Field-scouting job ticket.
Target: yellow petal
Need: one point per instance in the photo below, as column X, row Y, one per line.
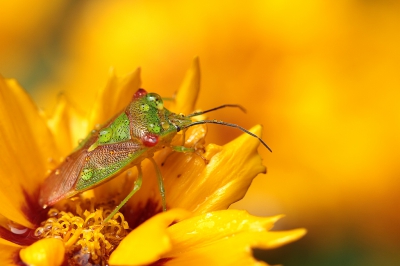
column 148, row 242
column 47, row 251
column 192, row 185
column 9, row 255
column 113, row 97
column 224, row 238
column 67, row 125
column 187, row 94
column 26, row 144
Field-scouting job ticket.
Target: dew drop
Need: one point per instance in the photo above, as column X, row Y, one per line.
column 39, row 231
column 17, row 229
column 52, row 212
column 57, row 172
column 51, row 220
column 164, row 125
column 47, row 227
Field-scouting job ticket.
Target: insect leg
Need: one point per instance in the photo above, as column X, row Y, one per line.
column 136, row 187
column 182, row 149
column 179, row 149
column 160, row 184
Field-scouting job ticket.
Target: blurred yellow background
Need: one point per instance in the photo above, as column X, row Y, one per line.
column 322, row 77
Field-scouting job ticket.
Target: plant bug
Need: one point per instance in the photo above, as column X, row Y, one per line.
column 133, row 135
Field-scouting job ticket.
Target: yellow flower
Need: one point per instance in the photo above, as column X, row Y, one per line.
column 196, row 229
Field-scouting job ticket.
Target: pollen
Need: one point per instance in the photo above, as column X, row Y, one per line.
column 80, row 226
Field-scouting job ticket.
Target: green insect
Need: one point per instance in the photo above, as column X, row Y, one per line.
column 135, row 134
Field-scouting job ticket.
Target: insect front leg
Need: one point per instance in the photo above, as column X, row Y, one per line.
column 136, row 187
column 189, row 150
column 183, row 149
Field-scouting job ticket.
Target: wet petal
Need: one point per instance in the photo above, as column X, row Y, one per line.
column 113, row 97
column 148, row 242
column 26, row 143
column 231, row 234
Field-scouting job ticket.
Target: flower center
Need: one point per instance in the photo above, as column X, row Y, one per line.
column 80, row 225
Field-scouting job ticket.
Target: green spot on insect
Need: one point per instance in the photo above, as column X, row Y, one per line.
column 154, row 128
column 105, row 135
column 93, row 147
column 164, row 125
column 87, row 173
column 120, row 129
column 144, row 107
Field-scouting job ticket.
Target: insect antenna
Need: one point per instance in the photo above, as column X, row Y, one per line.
column 218, row 107
column 227, row 124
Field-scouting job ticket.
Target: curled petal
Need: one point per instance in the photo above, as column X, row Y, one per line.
column 200, row 187
column 134, row 249
column 47, row 251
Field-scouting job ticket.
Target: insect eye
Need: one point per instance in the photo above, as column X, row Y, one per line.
column 150, row 140
column 139, row 93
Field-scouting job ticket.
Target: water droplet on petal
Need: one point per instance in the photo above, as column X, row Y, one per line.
column 39, row 231
column 17, row 229
column 52, row 212
column 47, row 227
